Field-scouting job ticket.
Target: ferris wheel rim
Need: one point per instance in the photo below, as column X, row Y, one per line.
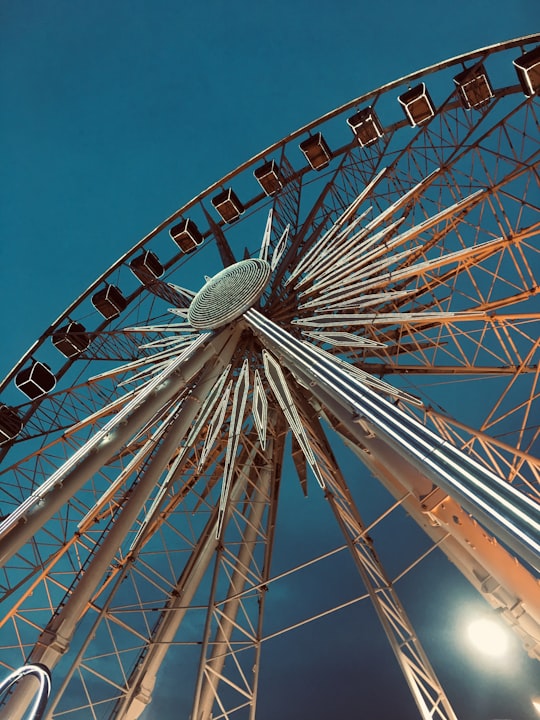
column 204, row 194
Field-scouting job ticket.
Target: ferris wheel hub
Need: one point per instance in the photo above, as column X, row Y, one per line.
column 229, row 294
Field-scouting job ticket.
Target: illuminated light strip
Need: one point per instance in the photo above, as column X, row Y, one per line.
column 206, row 409
column 215, row 426
column 343, row 277
column 381, row 217
column 278, row 384
column 413, row 270
column 517, row 515
column 141, row 362
column 352, row 254
column 372, row 243
column 106, row 410
column 421, row 227
column 346, row 320
column 371, row 380
column 304, row 263
column 157, row 361
column 344, row 283
column 180, row 312
column 42, row 673
column 280, row 247
column 177, row 341
column 160, row 494
column 182, row 290
column 263, row 253
column 146, row 373
column 100, row 435
column 260, row 409
column 108, row 495
column 166, row 327
column 403, row 199
column 235, row 426
column 431, row 221
column 343, row 245
column 343, row 339
column 209, row 403
column 366, row 301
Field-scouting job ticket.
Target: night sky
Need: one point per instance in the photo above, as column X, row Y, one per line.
column 113, row 115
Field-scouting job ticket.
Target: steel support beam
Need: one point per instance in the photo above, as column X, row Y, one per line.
column 506, row 584
column 489, row 567
column 425, row 687
column 56, row 637
column 34, row 512
column 141, row 683
column 211, row 669
column 504, row 510
column 423, row 683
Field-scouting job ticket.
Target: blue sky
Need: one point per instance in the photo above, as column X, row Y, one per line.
column 114, row 114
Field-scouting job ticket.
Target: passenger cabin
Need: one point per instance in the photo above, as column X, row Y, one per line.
column 474, row 87
column 35, row 380
column 528, row 71
column 10, row 423
column 71, row 339
column 146, row 267
column 316, row 150
column 109, row 302
column 366, row 126
column 417, row 105
column 228, row 205
column 269, row 177
column 186, row 235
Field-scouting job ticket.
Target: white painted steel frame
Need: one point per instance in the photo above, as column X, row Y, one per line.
column 507, row 512
column 515, row 590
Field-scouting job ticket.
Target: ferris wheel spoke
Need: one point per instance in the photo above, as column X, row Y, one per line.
column 322, row 247
column 360, row 283
column 278, row 383
column 516, row 519
column 62, row 484
column 236, row 420
column 245, row 499
column 422, row 680
column 367, row 252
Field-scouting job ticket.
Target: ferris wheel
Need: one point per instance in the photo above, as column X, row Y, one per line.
column 351, row 315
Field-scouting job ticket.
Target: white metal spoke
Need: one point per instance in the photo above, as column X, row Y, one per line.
column 278, row 384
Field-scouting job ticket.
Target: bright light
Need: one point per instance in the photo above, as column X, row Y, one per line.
column 536, row 704
column 488, row 636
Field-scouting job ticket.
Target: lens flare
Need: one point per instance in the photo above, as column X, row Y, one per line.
column 488, row 636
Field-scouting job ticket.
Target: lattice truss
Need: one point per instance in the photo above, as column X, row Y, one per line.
column 410, row 265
